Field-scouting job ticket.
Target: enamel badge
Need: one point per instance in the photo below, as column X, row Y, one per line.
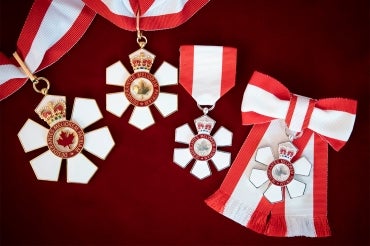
column 66, row 139
column 141, row 89
column 202, row 147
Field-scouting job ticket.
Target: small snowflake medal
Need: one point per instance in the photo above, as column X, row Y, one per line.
column 202, row 147
column 65, row 139
column 280, row 172
column 141, row 89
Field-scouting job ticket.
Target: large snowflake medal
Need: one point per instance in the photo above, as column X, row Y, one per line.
column 280, row 173
column 66, row 139
column 202, row 147
column 141, row 89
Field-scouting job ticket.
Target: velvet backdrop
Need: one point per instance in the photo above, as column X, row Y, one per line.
column 138, row 195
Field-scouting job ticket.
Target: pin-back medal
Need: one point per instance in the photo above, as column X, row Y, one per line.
column 65, row 139
column 206, row 75
column 141, row 89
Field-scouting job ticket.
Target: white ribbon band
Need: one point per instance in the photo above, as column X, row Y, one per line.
column 321, row 121
column 159, row 7
column 207, row 74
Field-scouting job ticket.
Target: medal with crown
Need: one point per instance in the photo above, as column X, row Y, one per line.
column 65, row 139
column 206, row 76
column 141, row 89
column 281, row 173
column 202, row 147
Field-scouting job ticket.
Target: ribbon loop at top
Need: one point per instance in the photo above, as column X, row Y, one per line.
column 299, row 112
column 266, row 99
column 154, row 14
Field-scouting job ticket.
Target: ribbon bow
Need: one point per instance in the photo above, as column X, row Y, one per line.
column 266, row 99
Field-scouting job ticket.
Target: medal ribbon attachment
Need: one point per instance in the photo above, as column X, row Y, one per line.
column 41, row 42
column 277, row 184
column 141, row 88
column 155, row 14
column 207, row 73
column 65, row 139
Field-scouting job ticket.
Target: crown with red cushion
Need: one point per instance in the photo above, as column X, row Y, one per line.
column 287, row 151
column 204, row 124
column 141, row 60
column 53, row 112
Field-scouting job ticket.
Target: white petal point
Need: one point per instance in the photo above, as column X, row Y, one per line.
column 183, row 134
column 141, row 118
column 221, row 160
column 223, row 137
column 258, row 177
column 116, row 74
column 274, row 193
column 85, row 112
column 182, row 156
column 296, row 188
column 32, row 135
column 46, row 166
column 302, row 166
column 80, row 169
column 99, row 142
column 264, row 155
column 116, row 103
column 166, row 74
column 201, row 169
column 166, row 103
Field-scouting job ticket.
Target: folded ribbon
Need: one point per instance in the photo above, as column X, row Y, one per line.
column 298, row 208
column 265, row 99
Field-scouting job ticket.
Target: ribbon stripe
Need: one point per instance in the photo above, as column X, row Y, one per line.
column 154, row 14
column 300, row 109
column 207, row 72
column 51, row 29
column 266, row 98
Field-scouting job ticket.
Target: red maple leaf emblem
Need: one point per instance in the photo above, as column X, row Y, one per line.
column 65, row 139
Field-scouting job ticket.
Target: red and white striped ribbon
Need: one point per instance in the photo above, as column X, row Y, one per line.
column 207, row 72
column 51, row 29
column 265, row 99
column 154, row 14
column 271, row 107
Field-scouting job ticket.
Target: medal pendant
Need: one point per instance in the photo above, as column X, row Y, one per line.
column 202, row 147
column 280, row 172
column 141, row 89
column 65, row 139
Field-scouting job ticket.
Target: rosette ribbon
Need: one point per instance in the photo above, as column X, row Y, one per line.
column 51, row 29
column 248, row 196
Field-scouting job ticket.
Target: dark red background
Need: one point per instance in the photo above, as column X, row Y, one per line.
column 138, row 196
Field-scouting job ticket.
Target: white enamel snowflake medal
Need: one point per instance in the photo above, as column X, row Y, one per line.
column 280, row 172
column 206, row 73
column 202, row 147
column 66, row 139
column 141, row 89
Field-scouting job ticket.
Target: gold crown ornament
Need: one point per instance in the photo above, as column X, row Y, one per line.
column 141, row 60
column 53, row 112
